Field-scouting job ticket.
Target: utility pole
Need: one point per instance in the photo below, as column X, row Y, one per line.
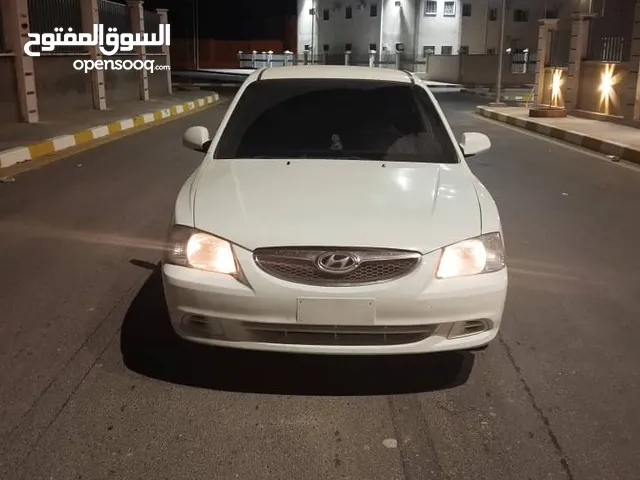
column 498, row 102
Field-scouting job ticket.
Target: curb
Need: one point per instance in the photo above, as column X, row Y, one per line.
column 57, row 144
column 575, row 138
column 519, row 98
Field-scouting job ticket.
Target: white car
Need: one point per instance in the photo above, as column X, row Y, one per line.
column 334, row 213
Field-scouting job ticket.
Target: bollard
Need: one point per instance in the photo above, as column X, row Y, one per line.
column 254, row 57
column 270, row 58
column 287, row 57
column 398, row 62
column 372, row 58
column 240, row 58
column 347, row 57
column 306, row 57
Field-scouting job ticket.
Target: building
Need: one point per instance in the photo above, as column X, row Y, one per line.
column 418, row 27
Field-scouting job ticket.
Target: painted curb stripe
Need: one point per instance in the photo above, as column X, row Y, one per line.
column 575, row 138
column 53, row 145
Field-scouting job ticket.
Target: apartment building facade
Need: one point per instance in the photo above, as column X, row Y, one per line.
column 418, row 27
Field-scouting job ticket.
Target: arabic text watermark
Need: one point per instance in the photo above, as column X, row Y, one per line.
column 109, row 44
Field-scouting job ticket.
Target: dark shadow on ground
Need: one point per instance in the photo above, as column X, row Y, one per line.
column 150, row 347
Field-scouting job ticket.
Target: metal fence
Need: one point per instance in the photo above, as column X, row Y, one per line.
column 610, row 38
column 559, row 48
column 152, row 25
column 2, row 45
column 45, row 15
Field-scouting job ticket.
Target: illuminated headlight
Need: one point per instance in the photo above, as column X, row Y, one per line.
column 192, row 248
column 483, row 254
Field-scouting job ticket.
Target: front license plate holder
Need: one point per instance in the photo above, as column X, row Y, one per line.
column 336, row 311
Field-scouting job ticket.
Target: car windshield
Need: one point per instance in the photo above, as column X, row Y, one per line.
column 336, row 119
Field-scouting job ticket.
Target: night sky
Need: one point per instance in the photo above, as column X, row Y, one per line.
column 226, row 19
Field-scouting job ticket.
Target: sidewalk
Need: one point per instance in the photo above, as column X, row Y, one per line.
column 21, row 142
column 604, row 137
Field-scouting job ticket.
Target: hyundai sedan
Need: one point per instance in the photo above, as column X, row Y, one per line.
column 334, row 213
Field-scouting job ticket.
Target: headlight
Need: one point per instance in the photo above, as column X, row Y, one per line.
column 483, row 254
column 195, row 249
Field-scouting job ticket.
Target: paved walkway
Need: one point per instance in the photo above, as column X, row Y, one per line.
column 16, row 134
column 21, row 142
column 605, row 137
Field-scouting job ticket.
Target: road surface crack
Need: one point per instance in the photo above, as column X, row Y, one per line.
column 552, row 436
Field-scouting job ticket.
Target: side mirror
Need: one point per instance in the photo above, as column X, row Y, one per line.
column 196, row 138
column 474, row 143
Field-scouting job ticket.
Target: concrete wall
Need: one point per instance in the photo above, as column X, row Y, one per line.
column 444, row 68
column 589, row 94
column 60, row 87
column 158, row 86
column 122, row 85
column 481, row 70
column 440, row 30
column 9, row 107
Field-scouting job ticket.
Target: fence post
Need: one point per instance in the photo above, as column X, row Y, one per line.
column 347, row 57
column 306, row 57
column 270, row 58
column 546, row 27
column 16, row 21
column 137, row 26
column 579, row 45
column 90, row 17
column 166, row 49
column 254, row 56
column 372, row 58
column 398, row 62
column 240, row 58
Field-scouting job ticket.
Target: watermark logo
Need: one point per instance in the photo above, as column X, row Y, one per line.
column 109, row 44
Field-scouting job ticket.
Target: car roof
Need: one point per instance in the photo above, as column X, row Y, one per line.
column 334, row 72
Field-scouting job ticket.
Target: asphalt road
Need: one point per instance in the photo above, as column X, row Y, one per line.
column 93, row 386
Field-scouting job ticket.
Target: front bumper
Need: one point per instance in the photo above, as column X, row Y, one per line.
column 414, row 314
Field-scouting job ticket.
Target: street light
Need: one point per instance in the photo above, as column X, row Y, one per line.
column 501, row 53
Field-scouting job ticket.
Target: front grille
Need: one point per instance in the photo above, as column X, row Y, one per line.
column 293, row 334
column 300, row 265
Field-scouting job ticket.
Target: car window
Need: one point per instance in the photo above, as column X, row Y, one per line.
column 336, row 119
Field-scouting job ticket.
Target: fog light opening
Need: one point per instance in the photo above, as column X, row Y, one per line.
column 201, row 325
column 468, row 328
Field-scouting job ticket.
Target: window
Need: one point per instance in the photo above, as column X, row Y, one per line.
column 464, row 50
column 428, row 50
column 373, row 10
column 466, row 9
column 520, row 15
column 347, row 47
column 351, row 118
column 399, row 47
column 430, row 7
column 325, row 47
column 306, row 47
column 446, row 50
column 348, row 12
column 373, row 46
column 491, row 50
column 325, row 14
column 449, row 9
column 493, row 14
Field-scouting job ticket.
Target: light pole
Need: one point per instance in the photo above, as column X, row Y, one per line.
column 501, row 54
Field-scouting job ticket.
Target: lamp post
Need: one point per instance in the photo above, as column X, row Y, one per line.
column 501, row 54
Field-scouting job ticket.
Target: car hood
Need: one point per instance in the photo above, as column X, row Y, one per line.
column 264, row 203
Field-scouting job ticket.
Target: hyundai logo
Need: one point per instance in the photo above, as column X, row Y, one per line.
column 337, row 263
